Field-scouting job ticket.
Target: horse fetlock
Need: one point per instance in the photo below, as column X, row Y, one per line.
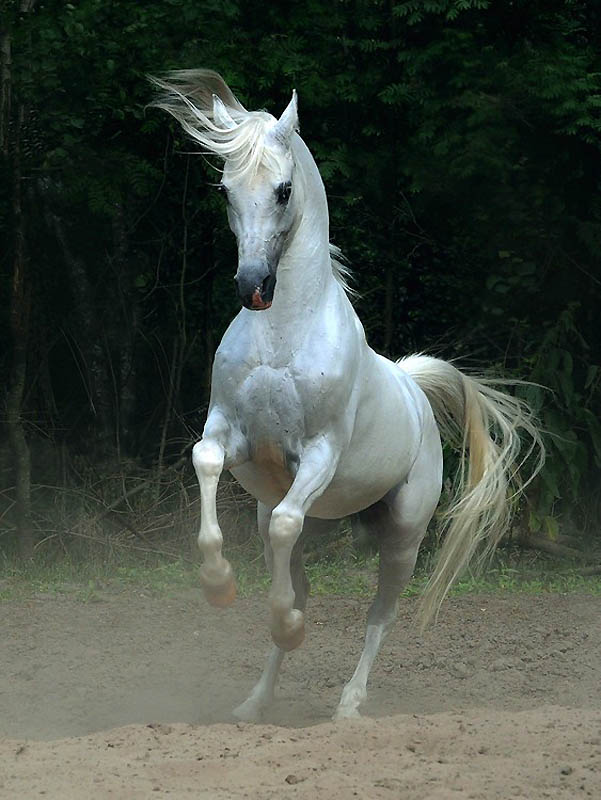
column 346, row 712
column 288, row 631
column 217, row 580
column 253, row 708
column 352, row 697
column 210, row 541
column 216, row 572
column 250, row 710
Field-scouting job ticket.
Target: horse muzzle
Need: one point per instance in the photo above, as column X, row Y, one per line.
column 255, row 285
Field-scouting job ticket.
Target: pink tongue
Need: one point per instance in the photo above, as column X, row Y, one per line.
column 257, row 300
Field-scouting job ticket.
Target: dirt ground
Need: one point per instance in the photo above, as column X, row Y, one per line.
column 128, row 696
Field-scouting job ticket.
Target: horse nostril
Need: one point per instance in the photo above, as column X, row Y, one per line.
column 267, row 288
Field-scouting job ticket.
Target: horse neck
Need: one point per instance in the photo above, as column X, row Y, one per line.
column 304, row 275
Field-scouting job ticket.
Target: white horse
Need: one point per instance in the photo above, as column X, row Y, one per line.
column 307, row 417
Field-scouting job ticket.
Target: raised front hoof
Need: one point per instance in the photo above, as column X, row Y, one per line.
column 221, row 596
column 291, row 633
column 218, row 584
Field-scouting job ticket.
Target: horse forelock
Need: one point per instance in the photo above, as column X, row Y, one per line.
column 188, row 96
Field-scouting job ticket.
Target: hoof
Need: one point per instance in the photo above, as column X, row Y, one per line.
column 248, row 711
column 221, row 596
column 291, row 634
column 346, row 713
column 219, row 586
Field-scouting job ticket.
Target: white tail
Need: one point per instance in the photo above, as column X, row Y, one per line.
column 484, row 424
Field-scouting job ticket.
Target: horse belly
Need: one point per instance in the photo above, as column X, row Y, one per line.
column 267, row 477
column 360, row 481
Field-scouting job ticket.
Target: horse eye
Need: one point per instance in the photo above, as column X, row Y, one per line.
column 283, row 192
column 223, row 189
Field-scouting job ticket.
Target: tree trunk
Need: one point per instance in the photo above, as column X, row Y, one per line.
column 19, row 322
column 121, row 325
column 180, row 340
column 388, row 311
column 90, row 344
column 5, row 89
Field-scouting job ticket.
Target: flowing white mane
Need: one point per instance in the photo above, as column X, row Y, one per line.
column 342, row 272
column 188, row 95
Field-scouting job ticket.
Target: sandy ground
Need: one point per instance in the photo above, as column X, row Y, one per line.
column 128, row 696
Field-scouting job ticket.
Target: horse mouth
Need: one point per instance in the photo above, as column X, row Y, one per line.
column 257, row 303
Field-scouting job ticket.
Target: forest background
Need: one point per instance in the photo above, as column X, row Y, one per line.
column 460, row 144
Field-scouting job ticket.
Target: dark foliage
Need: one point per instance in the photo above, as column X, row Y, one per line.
column 460, row 143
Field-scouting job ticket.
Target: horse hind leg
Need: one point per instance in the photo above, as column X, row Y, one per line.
column 397, row 560
column 262, row 695
column 399, row 521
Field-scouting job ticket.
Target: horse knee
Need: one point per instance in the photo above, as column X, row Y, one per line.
column 207, row 458
column 285, row 528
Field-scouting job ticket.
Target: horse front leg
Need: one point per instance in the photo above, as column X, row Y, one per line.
column 262, row 695
column 316, row 469
column 216, row 575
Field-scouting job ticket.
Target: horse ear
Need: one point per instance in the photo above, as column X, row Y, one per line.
column 221, row 115
column 288, row 122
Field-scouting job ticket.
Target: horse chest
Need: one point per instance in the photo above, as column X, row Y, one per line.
column 270, row 413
